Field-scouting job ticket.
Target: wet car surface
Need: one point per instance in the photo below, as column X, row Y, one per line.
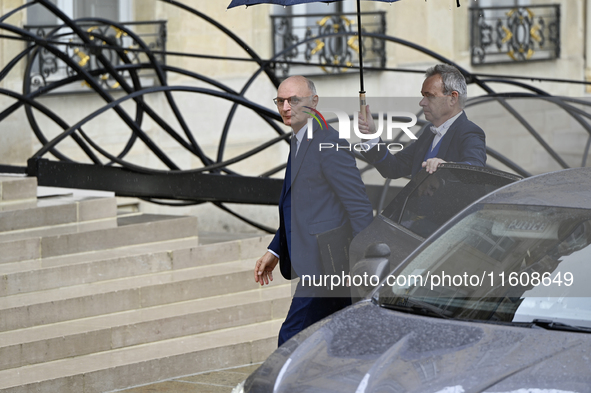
column 524, row 327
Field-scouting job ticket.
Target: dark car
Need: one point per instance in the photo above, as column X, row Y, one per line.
column 496, row 300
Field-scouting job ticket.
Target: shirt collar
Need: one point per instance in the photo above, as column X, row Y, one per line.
column 301, row 133
column 442, row 129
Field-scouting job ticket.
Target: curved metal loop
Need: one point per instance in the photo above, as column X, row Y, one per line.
column 186, row 139
column 45, row 149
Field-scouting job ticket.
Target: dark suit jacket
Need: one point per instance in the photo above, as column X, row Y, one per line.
column 464, row 143
column 324, row 192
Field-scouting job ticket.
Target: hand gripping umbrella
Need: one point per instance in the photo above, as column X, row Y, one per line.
column 236, row 3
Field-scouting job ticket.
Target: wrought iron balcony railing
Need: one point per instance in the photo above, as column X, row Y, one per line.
column 335, row 53
column 44, row 67
column 517, row 34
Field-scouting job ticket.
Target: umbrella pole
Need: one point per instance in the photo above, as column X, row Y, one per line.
column 362, row 102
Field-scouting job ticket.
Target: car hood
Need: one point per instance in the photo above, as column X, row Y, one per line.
column 368, row 349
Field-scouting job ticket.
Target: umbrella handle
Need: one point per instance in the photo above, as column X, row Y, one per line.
column 362, row 105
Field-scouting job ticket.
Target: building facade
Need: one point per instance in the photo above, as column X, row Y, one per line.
column 508, row 38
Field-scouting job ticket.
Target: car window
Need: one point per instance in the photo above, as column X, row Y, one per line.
column 505, row 263
column 432, row 200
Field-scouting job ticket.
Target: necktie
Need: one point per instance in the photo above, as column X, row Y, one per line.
column 292, row 147
column 295, row 145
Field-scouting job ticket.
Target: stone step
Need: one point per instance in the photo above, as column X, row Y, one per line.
column 54, row 230
column 131, row 230
column 46, row 343
column 141, row 364
column 17, row 188
column 75, row 269
column 49, row 212
column 92, row 300
column 106, row 297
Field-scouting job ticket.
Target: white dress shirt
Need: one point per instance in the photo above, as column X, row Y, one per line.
column 442, row 129
column 300, row 137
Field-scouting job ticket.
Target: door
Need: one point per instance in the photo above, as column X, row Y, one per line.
column 418, row 210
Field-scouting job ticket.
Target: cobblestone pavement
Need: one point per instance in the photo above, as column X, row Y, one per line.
column 219, row 381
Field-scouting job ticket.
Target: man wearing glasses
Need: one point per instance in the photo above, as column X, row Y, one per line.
column 451, row 138
column 322, row 191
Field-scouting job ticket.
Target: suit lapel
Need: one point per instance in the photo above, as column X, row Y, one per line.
column 297, row 160
column 449, row 135
column 427, row 139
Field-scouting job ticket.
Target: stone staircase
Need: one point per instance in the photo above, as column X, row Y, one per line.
column 94, row 302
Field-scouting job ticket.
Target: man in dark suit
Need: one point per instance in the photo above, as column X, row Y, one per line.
column 322, row 190
column 451, row 138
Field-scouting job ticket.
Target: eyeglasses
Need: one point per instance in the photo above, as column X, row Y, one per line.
column 292, row 101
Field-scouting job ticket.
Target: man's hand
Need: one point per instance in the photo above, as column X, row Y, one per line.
column 263, row 270
column 432, row 164
column 366, row 126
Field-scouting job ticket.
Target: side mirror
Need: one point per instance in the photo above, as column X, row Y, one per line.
column 370, row 271
column 377, row 250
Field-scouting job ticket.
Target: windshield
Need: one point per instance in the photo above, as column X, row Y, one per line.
column 506, row 263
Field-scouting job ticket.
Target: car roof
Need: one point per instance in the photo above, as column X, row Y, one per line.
column 565, row 188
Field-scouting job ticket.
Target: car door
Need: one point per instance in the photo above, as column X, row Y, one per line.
column 418, row 210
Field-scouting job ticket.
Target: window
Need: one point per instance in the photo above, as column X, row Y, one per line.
column 431, row 200
column 314, row 8
column 334, row 54
column 502, row 3
column 118, row 10
column 510, row 31
column 45, row 67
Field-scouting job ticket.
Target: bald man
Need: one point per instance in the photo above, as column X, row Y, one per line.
column 322, row 190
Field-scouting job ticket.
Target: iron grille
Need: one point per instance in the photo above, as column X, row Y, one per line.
column 336, row 54
column 115, row 44
column 514, row 34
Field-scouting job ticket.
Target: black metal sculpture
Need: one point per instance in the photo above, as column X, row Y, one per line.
column 109, row 56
